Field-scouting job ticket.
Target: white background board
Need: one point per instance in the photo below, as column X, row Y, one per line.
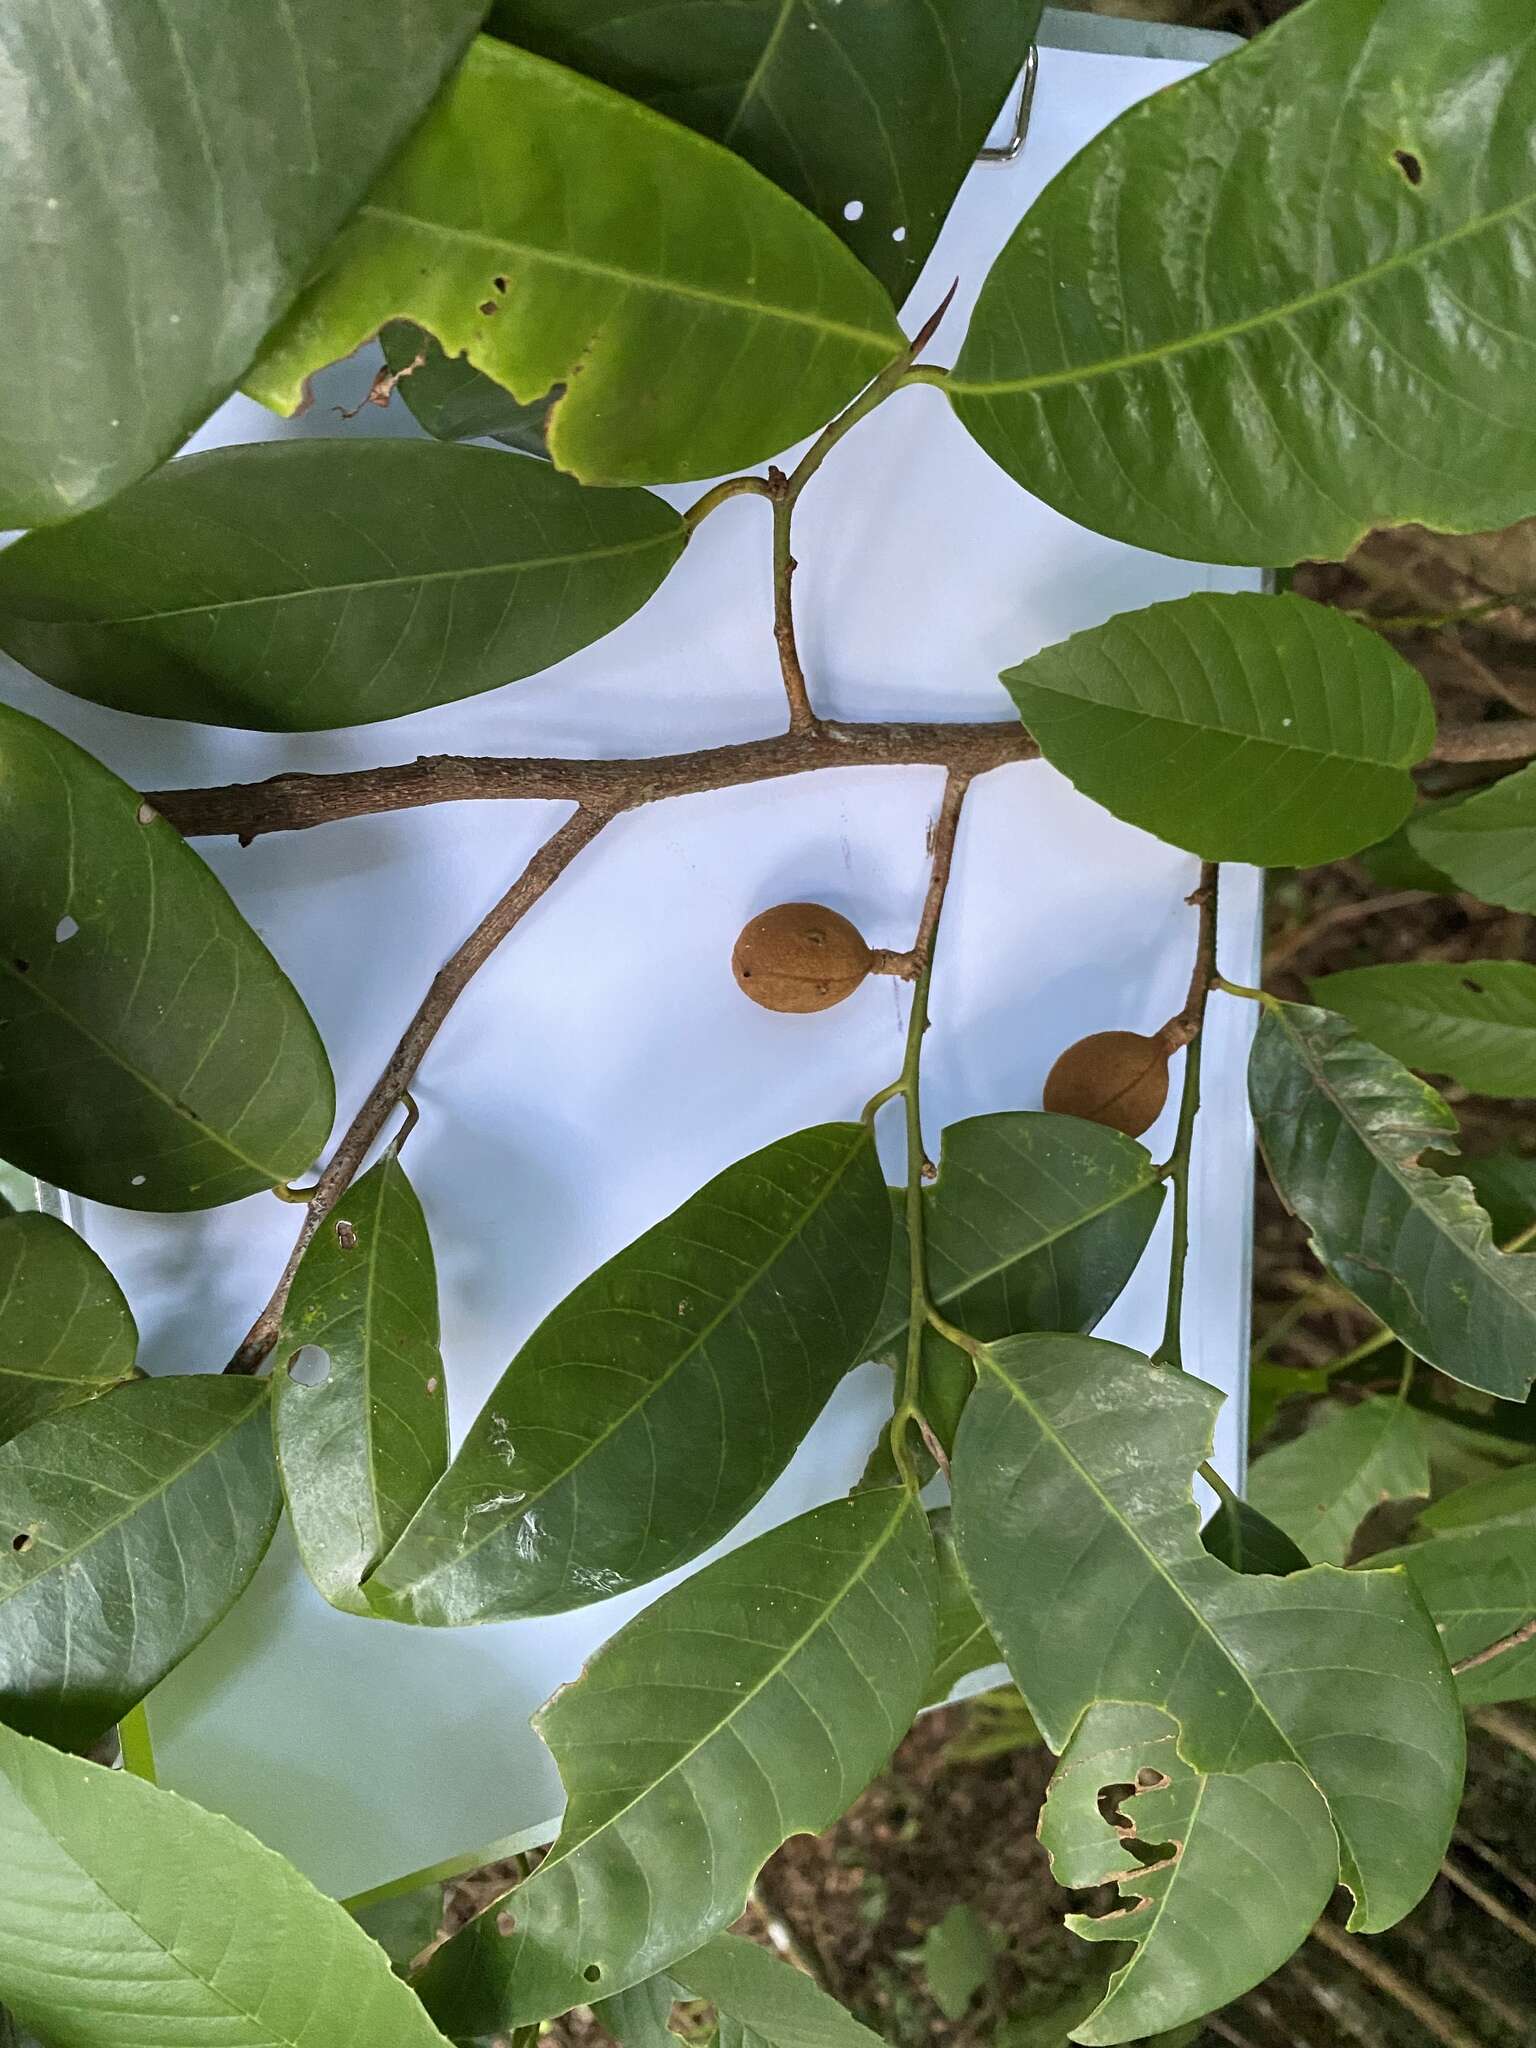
column 604, row 1065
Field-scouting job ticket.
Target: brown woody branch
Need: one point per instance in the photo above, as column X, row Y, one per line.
column 1499, row 739
column 293, row 802
column 545, row 868
column 1515, row 1640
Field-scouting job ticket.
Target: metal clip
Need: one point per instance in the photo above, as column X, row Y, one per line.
column 1005, row 152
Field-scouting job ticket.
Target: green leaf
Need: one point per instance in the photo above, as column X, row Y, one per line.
column 301, row 585
column 869, row 113
column 1245, row 1865
column 152, row 1052
column 555, row 232
column 1165, row 353
column 663, row 1396
column 1321, row 1486
column 753, row 1702
column 1506, row 1187
column 1487, row 842
column 958, row 1956
column 362, row 1441
column 66, row 1333
column 1247, row 1541
column 639, row 2017
column 1341, row 1126
column 1036, row 1222
column 1264, row 729
column 130, row 1918
column 455, row 402
column 403, row 1925
column 1472, row 1019
column 172, row 175
column 1395, row 862
column 1076, row 1526
column 129, row 1526
column 763, row 2003
column 1476, row 1573
column 964, row 1641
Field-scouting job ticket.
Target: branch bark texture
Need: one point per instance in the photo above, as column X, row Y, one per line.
column 294, row 802
column 449, row 983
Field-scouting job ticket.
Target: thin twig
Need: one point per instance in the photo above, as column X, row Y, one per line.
column 802, row 715
column 1517, row 1639
column 1439, row 622
column 1484, row 1899
column 1189, row 1025
column 1285, row 950
column 450, row 982
column 1427, row 2011
column 785, row 493
column 1509, row 1729
column 1437, row 1958
column 1486, row 1853
column 294, row 802
column 1500, row 739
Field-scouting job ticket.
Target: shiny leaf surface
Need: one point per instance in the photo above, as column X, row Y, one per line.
column 1321, row 1486
column 1487, row 843
column 554, row 232
column 1077, row 1530
column 1247, row 1864
column 753, row 1702
column 1341, row 1126
column 171, row 175
column 662, row 1397
column 128, row 1527
column 1036, row 1222
column 152, row 1052
column 1264, row 729
column 1472, row 1019
column 870, row 113
column 456, row 402
column 361, row 1440
column 66, row 1333
column 1476, row 1573
column 130, row 1918
column 1165, row 353
column 300, row 585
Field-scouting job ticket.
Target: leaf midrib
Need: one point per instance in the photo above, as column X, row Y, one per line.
column 866, row 1563
column 1410, row 1179
column 503, row 244
column 529, row 1500
column 1018, row 1396
column 124, row 1065
column 1006, row 1264
column 1284, row 744
column 257, row 2020
column 1203, row 1783
column 408, row 580
column 135, row 1506
column 1271, row 316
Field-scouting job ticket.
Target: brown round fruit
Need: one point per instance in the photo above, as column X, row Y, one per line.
column 1117, row 1078
column 799, row 957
